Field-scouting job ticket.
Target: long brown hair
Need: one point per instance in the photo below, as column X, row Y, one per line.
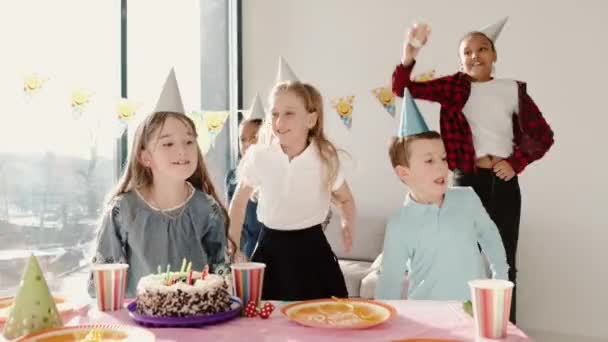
column 137, row 175
column 313, row 102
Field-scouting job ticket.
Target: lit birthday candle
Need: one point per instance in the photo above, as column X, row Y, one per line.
column 183, row 268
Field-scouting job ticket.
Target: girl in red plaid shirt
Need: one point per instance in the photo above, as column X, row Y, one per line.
column 491, row 128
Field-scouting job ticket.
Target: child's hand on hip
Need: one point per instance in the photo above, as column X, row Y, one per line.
column 504, row 170
column 417, row 36
column 347, row 237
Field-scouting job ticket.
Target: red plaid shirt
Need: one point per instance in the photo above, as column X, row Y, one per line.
column 532, row 135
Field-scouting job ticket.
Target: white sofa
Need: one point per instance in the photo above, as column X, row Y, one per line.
column 360, row 267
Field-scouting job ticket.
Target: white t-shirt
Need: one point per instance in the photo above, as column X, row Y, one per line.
column 489, row 111
column 292, row 194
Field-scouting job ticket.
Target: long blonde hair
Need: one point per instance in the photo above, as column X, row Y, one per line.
column 136, row 175
column 313, row 102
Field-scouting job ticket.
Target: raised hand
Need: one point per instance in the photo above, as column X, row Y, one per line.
column 417, row 36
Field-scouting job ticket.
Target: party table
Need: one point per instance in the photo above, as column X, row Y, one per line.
column 414, row 319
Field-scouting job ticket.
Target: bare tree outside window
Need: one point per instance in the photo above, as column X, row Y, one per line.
column 56, row 155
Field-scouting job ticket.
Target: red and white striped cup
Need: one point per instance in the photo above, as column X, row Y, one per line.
column 491, row 306
column 248, row 281
column 110, row 285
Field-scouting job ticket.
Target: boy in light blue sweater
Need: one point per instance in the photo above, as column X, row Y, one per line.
column 436, row 234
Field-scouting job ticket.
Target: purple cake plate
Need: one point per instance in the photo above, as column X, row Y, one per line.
column 182, row 322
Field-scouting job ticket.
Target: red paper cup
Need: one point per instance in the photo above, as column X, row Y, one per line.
column 248, row 281
column 491, row 306
column 110, row 285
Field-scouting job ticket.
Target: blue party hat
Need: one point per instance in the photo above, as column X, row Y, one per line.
column 412, row 121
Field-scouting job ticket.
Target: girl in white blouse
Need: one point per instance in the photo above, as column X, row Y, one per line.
column 297, row 174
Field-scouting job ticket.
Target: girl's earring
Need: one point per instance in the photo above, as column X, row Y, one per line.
column 461, row 68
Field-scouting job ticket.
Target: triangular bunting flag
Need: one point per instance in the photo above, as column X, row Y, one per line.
column 344, row 108
column 386, row 98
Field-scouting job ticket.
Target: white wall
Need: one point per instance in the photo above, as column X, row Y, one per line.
column 350, row 47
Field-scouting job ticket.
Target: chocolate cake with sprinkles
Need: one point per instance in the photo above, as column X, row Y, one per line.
column 182, row 294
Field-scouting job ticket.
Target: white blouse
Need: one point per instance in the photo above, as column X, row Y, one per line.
column 489, row 111
column 292, row 194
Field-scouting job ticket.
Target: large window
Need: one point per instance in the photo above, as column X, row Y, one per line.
column 62, row 79
column 59, row 89
column 191, row 36
column 162, row 35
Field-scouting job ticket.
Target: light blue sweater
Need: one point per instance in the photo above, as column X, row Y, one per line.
column 437, row 246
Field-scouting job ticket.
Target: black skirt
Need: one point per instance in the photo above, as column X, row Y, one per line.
column 300, row 265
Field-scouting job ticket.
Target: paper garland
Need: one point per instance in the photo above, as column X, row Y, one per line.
column 80, row 100
column 386, row 98
column 126, row 110
column 208, row 125
column 210, row 122
column 32, row 84
column 344, row 108
column 214, row 122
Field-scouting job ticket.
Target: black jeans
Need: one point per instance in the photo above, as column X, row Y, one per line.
column 502, row 201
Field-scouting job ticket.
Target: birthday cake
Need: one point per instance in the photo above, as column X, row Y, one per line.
column 182, row 294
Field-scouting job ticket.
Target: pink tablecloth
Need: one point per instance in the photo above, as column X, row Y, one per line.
column 415, row 319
